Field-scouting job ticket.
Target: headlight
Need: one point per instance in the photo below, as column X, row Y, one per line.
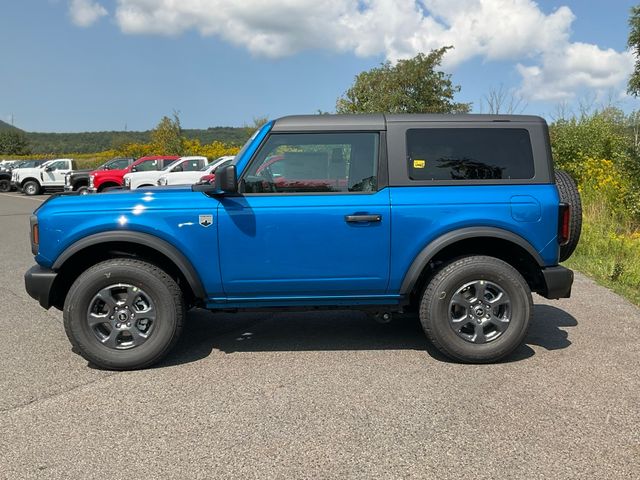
column 127, row 182
column 67, row 180
column 162, row 181
column 90, row 181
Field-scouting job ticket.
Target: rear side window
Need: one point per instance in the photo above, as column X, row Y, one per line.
column 469, row 154
column 192, row 166
column 147, row 166
column 118, row 164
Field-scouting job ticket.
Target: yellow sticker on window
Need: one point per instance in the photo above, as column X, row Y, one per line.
column 419, row 163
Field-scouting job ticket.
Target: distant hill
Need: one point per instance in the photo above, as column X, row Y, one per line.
column 7, row 126
column 91, row 142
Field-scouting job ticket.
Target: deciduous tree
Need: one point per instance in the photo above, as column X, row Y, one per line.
column 633, row 42
column 167, row 136
column 415, row 85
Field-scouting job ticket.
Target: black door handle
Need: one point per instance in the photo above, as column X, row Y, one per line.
column 362, row 218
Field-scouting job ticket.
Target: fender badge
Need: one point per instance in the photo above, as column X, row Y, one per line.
column 205, row 220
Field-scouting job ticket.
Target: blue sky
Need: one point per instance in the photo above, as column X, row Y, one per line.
column 86, row 65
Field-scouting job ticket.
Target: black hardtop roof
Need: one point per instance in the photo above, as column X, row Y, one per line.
column 379, row 121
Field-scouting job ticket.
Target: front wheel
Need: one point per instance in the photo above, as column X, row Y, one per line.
column 31, row 188
column 123, row 314
column 476, row 309
column 5, row 185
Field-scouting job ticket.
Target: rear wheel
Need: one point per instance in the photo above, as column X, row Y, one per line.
column 123, row 314
column 31, row 188
column 5, row 185
column 476, row 309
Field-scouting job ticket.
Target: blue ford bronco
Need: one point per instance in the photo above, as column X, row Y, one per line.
column 457, row 218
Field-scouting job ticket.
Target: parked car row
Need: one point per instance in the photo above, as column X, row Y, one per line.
column 6, row 171
column 33, row 177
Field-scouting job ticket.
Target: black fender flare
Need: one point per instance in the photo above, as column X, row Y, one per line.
column 145, row 239
column 431, row 250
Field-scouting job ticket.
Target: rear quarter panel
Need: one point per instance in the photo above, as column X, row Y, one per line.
column 419, row 215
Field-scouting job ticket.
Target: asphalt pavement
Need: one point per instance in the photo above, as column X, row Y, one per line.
column 321, row 395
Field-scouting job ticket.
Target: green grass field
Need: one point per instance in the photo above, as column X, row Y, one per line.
column 609, row 250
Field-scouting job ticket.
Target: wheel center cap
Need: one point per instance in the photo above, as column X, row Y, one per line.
column 122, row 316
column 479, row 312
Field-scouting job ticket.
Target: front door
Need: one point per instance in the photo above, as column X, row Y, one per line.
column 55, row 172
column 310, row 220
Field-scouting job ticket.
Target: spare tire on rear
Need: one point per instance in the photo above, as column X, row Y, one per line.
column 569, row 194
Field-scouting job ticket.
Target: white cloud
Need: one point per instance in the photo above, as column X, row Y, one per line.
column 85, row 13
column 551, row 66
column 574, row 66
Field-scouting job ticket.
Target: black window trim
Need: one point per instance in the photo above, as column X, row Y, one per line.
column 382, row 163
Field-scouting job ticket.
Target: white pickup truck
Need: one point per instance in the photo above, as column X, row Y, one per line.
column 47, row 177
column 149, row 178
column 191, row 177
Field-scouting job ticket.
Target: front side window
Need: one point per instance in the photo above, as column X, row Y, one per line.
column 469, row 154
column 314, row 162
column 59, row 165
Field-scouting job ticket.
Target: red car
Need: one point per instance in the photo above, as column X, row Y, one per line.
column 101, row 179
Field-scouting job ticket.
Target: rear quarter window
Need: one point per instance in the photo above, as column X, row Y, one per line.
column 469, row 154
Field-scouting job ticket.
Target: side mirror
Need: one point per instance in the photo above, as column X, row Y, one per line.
column 177, row 168
column 134, row 168
column 226, row 180
column 48, row 168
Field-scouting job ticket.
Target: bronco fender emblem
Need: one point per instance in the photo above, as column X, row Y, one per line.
column 205, row 220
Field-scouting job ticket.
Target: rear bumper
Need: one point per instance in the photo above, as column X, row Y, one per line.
column 38, row 282
column 558, row 281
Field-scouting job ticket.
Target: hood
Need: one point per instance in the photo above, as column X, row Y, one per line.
column 116, row 199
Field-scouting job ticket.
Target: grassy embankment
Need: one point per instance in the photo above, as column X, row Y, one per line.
column 609, row 249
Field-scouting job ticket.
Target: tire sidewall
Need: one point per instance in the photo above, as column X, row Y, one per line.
column 437, row 310
column 26, row 188
column 88, row 285
column 5, row 185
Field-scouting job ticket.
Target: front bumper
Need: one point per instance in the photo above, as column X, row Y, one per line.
column 558, row 281
column 38, row 282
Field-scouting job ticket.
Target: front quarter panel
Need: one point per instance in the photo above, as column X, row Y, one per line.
column 172, row 215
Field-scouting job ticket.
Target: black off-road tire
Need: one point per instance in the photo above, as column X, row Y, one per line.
column 164, row 292
column 5, row 185
column 31, row 188
column 435, row 308
column 569, row 194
